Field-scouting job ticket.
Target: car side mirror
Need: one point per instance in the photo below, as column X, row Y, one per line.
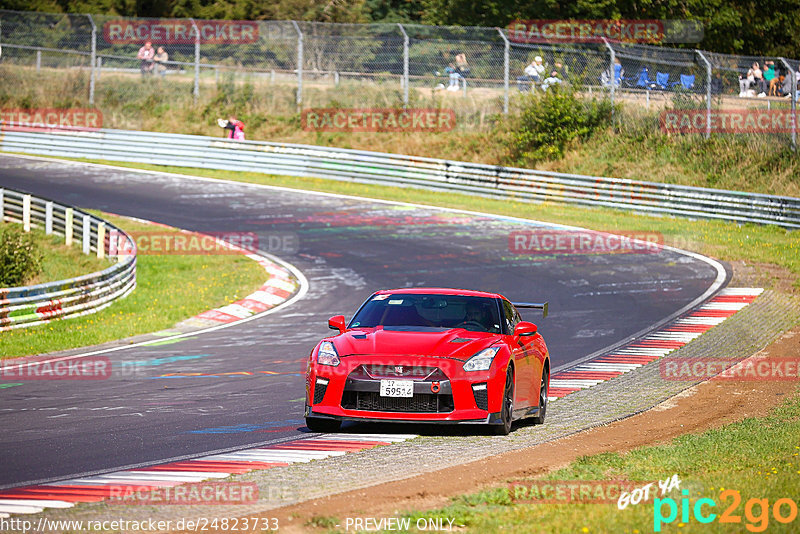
column 337, row 323
column 525, row 328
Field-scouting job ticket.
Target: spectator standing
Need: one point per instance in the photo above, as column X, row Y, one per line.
column 160, row 60
column 145, row 57
column 533, row 74
column 758, row 76
column 234, row 128
column 769, row 76
column 462, row 67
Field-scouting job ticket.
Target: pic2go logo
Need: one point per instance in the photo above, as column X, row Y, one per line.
column 756, row 511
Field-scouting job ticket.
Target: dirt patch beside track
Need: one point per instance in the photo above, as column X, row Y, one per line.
column 707, row 405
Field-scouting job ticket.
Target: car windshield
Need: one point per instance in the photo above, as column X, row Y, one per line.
column 401, row 311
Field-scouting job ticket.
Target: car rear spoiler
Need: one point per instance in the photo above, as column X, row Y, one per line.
column 535, row 305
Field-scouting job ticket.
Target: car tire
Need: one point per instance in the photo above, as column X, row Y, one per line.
column 543, row 387
column 507, row 408
column 316, row 424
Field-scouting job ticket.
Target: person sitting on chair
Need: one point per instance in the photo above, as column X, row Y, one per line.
column 533, row 74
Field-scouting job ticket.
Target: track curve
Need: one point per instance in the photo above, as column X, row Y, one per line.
column 347, row 248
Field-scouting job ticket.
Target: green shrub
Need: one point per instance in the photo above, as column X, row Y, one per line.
column 548, row 121
column 20, row 257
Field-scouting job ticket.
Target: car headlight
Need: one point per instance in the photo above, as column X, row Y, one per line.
column 481, row 361
column 327, row 354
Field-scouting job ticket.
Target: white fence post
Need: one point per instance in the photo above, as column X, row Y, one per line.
column 2, row 213
column 93, row 59
column 299, row 98
column 26, row 213
column 87, row 234
column 405, row 64
column 612, row 75
column 196, row 91
column 38, row 60
column 48, row 218
column 708, row 92
column 793, row 74
column 68, row 215
column 506, row 67
column 101, row 240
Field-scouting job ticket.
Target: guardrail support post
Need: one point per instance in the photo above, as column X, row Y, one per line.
column 48, row 218
column 26, row 213
column 68, row 216
column 87, row 234
column 196, row 91
column 101, row 240
column 299, row 98
column 2, row 212
column 708, row 92
column 93, row 60
column 793, row 74
column 506, row 65
column 405, row 64
column 38, row 60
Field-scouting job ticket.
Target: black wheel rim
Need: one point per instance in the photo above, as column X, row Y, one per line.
column 508, row 405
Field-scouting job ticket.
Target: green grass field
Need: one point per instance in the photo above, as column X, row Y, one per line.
column 169, row 288
column 758, row 458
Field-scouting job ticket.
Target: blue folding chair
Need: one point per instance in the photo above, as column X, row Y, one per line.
column 687, row 81
column 644, row 81
column 662, row 80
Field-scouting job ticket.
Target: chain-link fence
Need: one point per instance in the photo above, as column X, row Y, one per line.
column 475, row 71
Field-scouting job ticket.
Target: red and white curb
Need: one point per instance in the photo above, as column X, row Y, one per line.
column 653, row 346
column 277, row 289
column 96, row 488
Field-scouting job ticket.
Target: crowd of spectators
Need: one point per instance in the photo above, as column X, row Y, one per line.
column 770, row 81
column 151, row 61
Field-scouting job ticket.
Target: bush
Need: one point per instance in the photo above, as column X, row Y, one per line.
column 548, row 121
column 20, row 257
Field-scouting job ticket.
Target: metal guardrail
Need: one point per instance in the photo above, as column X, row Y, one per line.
column 21, row 307
column 399, row 170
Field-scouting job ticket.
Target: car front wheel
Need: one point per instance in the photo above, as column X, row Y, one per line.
column 507, row 410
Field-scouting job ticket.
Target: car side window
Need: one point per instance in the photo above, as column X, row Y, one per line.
column 511, row 317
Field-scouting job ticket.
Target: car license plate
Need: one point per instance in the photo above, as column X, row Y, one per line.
column 397, row 388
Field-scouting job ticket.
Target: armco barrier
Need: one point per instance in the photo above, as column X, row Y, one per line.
column 393, row 169
column 22, row 307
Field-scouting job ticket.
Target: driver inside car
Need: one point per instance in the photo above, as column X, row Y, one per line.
column 474, row 316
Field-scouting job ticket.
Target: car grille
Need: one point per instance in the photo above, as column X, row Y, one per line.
column 419, row 403
column 373, row 371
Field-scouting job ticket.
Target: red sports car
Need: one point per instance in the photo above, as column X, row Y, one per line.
column 432, row 356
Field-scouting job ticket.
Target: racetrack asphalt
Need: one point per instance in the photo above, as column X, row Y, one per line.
column 346, row 248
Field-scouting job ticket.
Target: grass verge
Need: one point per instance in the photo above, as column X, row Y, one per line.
column 59, row 261
column 169, row 289
column 758, row 457
column 752, row 244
